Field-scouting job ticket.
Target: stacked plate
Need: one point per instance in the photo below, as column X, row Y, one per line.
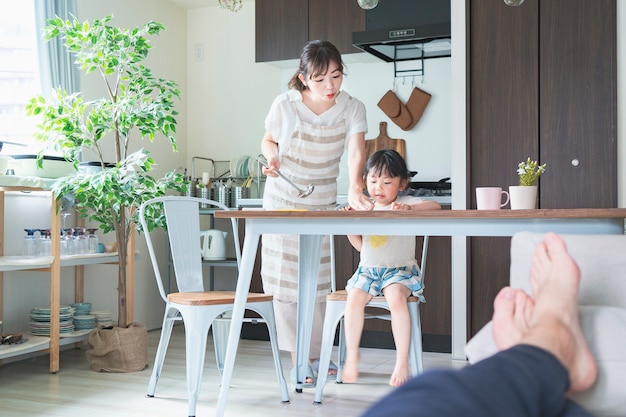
column 85, row 322
column 103, row 318
column 81, row 309
column 40, row 320
column 240, row 167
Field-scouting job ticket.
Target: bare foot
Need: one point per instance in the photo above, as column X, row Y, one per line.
column 350, row 372
column 555, row 279
column 400, row 373
column 513, row 310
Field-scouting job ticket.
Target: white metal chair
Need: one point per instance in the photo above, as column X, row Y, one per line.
column 197, row 308
column 335, row 307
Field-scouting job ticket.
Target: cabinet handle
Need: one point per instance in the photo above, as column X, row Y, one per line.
column 575, row 162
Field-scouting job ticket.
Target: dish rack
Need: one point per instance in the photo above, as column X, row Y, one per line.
column 223, row 186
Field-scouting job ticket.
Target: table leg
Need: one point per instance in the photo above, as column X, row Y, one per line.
column 309, row 263
column 250, row 245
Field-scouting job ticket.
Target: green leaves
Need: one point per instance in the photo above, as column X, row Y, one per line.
column 529, row 172
column 136, row 105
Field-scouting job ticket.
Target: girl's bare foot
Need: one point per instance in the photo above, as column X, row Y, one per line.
column 555, row 279
column 513, row 310
column 350, row 372
column 400, row 373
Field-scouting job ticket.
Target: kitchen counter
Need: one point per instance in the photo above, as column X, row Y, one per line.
column 258, row 202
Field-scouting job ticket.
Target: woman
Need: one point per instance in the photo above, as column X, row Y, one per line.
column 307, row 130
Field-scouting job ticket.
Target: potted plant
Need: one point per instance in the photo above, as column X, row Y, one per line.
column 137, row 106
column 524, row 195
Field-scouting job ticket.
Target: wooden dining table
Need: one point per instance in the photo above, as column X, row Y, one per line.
column 313, row 225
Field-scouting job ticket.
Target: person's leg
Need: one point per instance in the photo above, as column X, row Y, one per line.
column 555, row 281
column 354, row 317
column 285, row 313
column 396, row 296
column 549, row 356
column 524, row 381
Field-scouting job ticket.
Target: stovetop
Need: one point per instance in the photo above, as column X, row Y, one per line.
column 431, row 188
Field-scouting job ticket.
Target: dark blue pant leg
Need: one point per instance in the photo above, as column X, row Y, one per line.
column 523, row 381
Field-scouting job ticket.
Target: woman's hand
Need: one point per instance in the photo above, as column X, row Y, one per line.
column 272, row 163
column 359, row 201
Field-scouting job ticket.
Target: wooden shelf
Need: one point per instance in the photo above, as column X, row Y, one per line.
column 37, row 343
column 52, row 265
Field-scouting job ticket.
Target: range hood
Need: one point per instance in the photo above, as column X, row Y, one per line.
column 404, row 30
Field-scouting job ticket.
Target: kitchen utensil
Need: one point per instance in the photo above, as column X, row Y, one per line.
column 385, row 142
column 302, row 193
column 213, row 244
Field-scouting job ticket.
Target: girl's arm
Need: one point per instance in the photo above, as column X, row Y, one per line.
column 422, row 205
column 356, row 241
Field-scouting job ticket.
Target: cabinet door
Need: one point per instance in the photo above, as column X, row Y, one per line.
column 578, row 101
column 541, row 84
column 282, row 29
column 334, row 21
column 504, row 117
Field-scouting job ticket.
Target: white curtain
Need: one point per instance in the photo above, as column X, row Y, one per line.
column 56, row 64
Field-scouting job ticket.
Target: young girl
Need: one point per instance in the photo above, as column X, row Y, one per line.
column 308, row 128
column 388, row 266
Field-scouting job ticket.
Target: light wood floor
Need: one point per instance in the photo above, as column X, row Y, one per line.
column 28, row 389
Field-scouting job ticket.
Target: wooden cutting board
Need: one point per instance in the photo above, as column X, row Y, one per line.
column 385, row 142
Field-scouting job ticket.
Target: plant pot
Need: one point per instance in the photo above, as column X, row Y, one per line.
column 117, row 349
column 523, row 197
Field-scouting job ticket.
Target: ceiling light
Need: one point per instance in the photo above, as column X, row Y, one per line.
column 369, row 4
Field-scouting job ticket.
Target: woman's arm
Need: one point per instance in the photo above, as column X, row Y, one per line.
column 269, row 148
column 356, row 164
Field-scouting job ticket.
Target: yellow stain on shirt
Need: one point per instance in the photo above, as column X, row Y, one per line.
column 376, row 241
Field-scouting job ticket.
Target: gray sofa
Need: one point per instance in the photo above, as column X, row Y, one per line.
column 602, row 300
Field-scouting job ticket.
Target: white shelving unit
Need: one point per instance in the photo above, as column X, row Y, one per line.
column 52, row 265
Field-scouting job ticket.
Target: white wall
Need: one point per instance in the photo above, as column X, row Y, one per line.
column 230, row 94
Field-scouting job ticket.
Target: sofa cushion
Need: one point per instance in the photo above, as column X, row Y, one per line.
column 602, row 299
column 601, row 258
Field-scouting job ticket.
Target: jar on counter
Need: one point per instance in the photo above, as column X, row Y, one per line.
column 92, row 241
column 31, row 243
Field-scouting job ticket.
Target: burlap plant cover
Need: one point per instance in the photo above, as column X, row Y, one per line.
column 116, row 349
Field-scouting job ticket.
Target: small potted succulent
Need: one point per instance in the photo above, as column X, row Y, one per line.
column 524, row 195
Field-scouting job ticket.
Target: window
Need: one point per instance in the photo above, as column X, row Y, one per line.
column 19, row 75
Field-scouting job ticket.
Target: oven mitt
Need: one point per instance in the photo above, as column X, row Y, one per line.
column 417, row 103
column 391, row 105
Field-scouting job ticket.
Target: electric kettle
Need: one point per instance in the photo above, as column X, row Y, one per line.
column 213, row 244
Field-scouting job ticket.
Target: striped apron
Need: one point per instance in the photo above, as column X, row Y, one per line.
column 312, row 157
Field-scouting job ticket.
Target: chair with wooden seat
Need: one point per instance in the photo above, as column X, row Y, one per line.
column 335, row 307
column 197, row 308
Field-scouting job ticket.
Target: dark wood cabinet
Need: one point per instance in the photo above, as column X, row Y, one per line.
column 284, row 26
column 282, row 29
column 542, row 84
column 334, row 21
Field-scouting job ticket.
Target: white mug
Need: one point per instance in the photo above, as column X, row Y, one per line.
column 490, row 198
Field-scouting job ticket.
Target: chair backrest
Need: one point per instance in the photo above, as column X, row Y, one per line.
column 182, row 216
